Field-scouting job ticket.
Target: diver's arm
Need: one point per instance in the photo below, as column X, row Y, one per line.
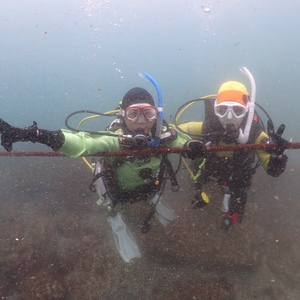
column 62, row 141
column 81, row 143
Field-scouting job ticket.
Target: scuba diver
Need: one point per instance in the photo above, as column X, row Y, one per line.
column 119, row 181
column 231, row 118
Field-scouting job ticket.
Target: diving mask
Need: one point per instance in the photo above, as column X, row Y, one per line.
column 231, row 110
column 132, row 113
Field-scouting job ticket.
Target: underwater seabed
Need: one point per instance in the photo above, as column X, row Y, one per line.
column 57, row 244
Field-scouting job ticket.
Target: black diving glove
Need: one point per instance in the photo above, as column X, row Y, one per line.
column 194, row 149
column 278, row 159
column 11, row 134
column 277, row 139
column 277, row 165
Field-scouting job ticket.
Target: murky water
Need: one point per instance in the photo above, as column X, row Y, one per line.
column 61, row 56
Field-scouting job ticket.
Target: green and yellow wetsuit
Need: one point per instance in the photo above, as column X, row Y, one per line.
column 130, row 178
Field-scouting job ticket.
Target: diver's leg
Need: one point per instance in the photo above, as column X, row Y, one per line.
column 163, row 211
column 237, row 207
column 124, row 240
column 238, row 198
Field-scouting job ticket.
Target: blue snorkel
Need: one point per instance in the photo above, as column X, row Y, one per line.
column 159, row 108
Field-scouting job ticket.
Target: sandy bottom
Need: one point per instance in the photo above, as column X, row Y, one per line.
column 56, row 243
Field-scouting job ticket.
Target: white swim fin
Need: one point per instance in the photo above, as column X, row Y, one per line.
column 126, row 245
column 163, row 213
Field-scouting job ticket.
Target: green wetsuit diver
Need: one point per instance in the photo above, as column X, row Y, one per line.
column 125, row 179
column 233, row 170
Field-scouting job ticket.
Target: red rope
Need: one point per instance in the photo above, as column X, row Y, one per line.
column 148, row 152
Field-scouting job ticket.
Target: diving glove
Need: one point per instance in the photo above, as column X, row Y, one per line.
column 194, row 149
column 277, row 139
column 11, row 134
column 278, row 159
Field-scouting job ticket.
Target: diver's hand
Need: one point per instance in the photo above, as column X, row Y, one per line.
column 6, row 131
column 3, row 125
column 194, row 149
column 11, row 134
column 281, row 144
